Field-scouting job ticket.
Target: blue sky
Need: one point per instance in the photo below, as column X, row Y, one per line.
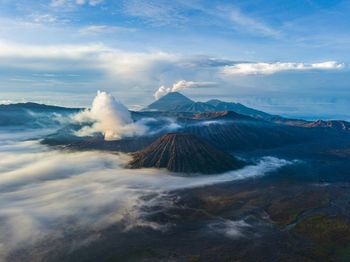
column 285, row 57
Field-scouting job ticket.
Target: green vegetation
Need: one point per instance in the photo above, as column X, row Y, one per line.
column 330, row 234
column 284, row 211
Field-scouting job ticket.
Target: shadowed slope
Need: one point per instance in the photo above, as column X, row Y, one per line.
column 185, row 153
column 169, row 102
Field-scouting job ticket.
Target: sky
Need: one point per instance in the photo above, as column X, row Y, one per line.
column 284, row 57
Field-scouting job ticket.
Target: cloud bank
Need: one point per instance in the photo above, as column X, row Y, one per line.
column 272, row 68
column 181, row 85
column 109, row 117
column 43, row 192
column 135, row 73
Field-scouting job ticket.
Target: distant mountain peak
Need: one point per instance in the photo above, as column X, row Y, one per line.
column 175, row 94
column 177, row 102
column 169, row 101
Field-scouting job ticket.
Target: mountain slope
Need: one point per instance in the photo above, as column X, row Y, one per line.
column 32, row 115
column 176, row 102
column 338, row 125
column 169, row 102
column 222, row 115
column 195, row 107
column 184, row 153
column 238, row 108
column 243, row 134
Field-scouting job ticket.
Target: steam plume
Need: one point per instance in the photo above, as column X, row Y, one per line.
column 180, row 85
column 109, row 117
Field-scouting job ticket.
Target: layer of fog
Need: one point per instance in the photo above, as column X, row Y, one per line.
column 229, row 228
column 42, row 191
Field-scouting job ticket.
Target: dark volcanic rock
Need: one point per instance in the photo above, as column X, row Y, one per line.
column 222, row 115
column 195, row 107
column 338, row 125
column 124, row 145
column 179, row 152
column 238, row 108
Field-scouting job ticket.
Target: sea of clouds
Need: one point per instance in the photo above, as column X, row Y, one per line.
column 46, row 192
column 42, row 190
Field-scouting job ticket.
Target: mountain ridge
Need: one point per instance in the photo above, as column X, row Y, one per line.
column 169, row 102
column 177, row 102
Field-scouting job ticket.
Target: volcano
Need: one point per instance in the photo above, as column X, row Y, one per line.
column 169, row 102
column 185, row 153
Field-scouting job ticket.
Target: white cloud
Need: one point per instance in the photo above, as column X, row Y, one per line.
column 154, row 12
column 90, row 2
column 247, row 23
column 43, row 18
column 109, row 117
column 272, row 68
column 6, row 102
column 58, row 3
column 104, row 29
column 138, row 66
column 44, row 191
column 71, row 3
column 181, row 85
column 13, row 50
column 132, row 74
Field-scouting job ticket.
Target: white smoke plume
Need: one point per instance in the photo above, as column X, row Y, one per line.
column 180, row 85
column 109, row 117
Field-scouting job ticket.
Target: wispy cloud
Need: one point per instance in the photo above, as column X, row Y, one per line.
column 272, row 68
column 181, row 85
column 43, row 18
column 231, row 16
column 104, row 29
column 155, row 12
column 251, row 24
column 70, row 3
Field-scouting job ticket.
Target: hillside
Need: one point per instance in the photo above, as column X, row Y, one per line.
column 169, row 102
column 184, row 153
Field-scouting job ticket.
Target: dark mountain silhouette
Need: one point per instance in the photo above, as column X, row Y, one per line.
column 35, row 107
column 338, row 125
column 126, row 145
column 225, row 130
column 334, row 125
column 238, row 108
column 195, row 107
column 169, row 102
column 179, row 152
column 223, row 115
column 249, row 133
column 176, row 102
column 26, row 114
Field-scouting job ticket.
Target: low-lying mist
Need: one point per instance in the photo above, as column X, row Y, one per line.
column 42, row 190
